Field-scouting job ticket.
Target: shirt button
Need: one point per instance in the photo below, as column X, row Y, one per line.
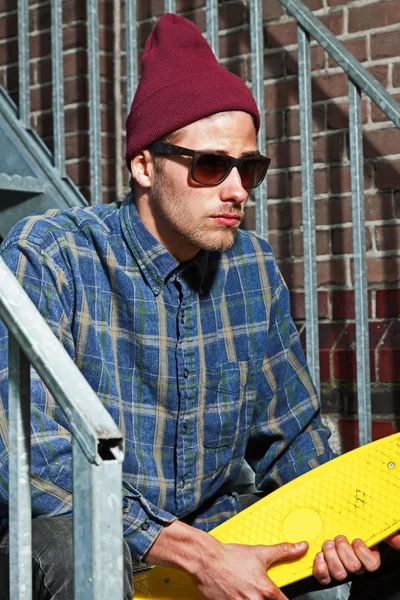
column 182, row 319
column 186, row 373
column 181, row 484
column 145, row 526
column 184, row 428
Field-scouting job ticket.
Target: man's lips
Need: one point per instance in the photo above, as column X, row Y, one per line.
column 229, row 219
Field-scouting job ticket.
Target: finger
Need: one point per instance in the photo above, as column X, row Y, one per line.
column 369, row 557
column 321, row 572
column 347, row 556
column 335, row 566
column 284, row 551
column 394, row 541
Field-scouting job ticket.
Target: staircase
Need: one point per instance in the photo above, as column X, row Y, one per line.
column 29, row 182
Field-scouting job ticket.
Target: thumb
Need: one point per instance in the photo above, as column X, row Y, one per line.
column 285, row 551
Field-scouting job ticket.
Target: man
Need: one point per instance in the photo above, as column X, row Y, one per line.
column 181, row 325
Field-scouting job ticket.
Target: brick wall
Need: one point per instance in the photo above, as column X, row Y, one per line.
column 370, row 29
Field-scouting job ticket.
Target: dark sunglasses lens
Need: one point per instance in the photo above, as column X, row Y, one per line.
column 211, row 168
column 252, row 172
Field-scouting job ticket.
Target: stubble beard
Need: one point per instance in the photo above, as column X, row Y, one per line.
column 178, row 219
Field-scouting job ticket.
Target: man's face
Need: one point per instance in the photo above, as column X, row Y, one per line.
column 186, row 216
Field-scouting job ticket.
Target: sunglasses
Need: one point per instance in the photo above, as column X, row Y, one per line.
column 211, row 168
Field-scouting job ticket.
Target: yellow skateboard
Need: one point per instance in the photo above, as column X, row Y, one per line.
column 356, row 495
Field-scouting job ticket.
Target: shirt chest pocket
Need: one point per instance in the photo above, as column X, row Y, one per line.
column 225, row 405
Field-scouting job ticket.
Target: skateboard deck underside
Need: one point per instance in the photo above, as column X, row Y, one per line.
column 356, row 495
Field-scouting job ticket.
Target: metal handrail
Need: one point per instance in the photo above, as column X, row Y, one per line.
column 97, row 447
column 359, row 80
column 360, row 76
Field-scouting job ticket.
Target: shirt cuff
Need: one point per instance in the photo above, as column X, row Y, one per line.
column 143, row 522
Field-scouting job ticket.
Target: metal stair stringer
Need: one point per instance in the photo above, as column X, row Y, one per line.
column 29, row 182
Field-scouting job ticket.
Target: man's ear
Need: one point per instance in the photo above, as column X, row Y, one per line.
column 142, row 168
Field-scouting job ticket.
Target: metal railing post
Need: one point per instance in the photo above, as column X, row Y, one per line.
column 360, row 264
column 308, row 206
column 170, row 6
column 257, row 74
column 94, row 102
column 24, row 100
column 212, row 26
column 58, row 86
column 97, row 528
column 20, row 474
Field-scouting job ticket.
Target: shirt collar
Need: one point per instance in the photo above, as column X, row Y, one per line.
column 155, row 262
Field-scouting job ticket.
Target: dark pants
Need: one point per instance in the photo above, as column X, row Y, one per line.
column 52, row 561
column 53, row 567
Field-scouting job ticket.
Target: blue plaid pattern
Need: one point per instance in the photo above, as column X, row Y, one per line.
column 198, row 363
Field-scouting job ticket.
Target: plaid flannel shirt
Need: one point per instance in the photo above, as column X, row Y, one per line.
column 199, row 364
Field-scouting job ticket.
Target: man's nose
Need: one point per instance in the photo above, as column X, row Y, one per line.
column 232, row 188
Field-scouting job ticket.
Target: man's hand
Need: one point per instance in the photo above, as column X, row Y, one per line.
column 222, row 571
column 238, row 572
column 339, row 559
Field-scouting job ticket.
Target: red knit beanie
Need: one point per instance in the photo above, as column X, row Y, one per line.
column 181, row 83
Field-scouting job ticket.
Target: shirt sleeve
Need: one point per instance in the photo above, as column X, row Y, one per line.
column 49, row 285
column 287, row 437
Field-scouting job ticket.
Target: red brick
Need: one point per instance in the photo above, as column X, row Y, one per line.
column 293, row 273
column 338, row 115
column 383, row 270
column 334, row 22
column 274, row 65
column 274, row 125
column 341, row 179
column 197, row 17
column 284, row 154
column 385, row 44
column 331, row 271
column 387, row 303
column 79, row 172
column 231, row 15
column 280, row 34
column 9, row 53
column 343, row 304
column 389, row 354
column 342, row 240
column 344, row 354
column 377, row 114
column 76, row 146
column 388, row 237
column 313, row 4
column 328, row 334
column 396, row 76
column 281, row 94
column 380, row 73
column 329, row 148
column 317, row 58
column 280, row 242
column 329, row 86
column 380, row 143
column 348, row 430
column 271, row 10
column 378, row 207
column 277, row 186
column 234, row 44
column 357, row 47
column 322, row 242
column 333, row 211
column 238, row 66
column 297, row 305
column 397, row 204
column 9, row 26
column 375, row 15
column 293, row 121
column 280, row 215
column 321, row 183
column 387, row 174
